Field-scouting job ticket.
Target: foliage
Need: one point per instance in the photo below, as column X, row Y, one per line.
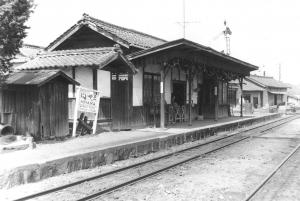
column 13, row 15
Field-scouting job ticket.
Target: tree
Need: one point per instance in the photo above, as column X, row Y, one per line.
column 13, row 15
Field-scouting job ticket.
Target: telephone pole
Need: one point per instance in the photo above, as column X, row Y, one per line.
column 279, row 68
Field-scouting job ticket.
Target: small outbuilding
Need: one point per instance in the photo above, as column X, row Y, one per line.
column 36, row 103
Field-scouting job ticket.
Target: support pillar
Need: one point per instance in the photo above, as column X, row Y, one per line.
column 162, row 96
column 216, row 95
column 190, row 97
column 241, row 86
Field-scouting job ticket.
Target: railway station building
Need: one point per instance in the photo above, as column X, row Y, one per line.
column 143, row 80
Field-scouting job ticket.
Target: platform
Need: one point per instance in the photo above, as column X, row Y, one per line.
column 55, row 158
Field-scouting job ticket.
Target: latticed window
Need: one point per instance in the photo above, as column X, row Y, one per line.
column 232, row 96
column 222, row 90
column 151, row 88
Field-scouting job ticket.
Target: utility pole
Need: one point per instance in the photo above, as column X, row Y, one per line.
column 184, row 22
column 279, row 71
column 183, row 17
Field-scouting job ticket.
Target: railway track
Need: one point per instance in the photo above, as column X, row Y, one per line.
column 98, row 185
column 265, row 181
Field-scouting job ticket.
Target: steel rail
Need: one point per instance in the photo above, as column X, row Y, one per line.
column 138, row 179
column 132, row 181
column 267, row 178
column 62, row 187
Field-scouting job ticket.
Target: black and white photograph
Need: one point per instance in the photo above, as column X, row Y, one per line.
column 139, row 100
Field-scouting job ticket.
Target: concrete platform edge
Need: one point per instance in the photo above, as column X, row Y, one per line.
column 107, row 155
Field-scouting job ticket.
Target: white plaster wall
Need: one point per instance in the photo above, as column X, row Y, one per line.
column 68, row 72
column 255, row 94
column 103, row 84
column 84, row 76
column 152, row 68
column 271, row 99
column 137, row 93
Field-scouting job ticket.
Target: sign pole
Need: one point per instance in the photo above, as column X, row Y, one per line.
column 96, row 115
column 75, row 111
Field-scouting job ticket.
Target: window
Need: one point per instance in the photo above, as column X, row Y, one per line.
column 222, row 90
column 232, row 96
column 151, row 88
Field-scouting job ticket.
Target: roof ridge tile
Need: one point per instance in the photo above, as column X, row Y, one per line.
column 88, row 17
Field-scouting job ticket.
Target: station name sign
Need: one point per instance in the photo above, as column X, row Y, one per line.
column 88, row 100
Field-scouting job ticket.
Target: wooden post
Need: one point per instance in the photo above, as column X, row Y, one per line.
column 190, row 97
column 216, row 94
column 75, row 113
column 162, row 96
column 96, row 115
column 241, row 86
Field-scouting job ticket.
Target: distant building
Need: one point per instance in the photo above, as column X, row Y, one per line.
column 293, row 99
column 27, row 52
column 263, row 91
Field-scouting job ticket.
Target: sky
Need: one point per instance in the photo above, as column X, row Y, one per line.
column 264, row 33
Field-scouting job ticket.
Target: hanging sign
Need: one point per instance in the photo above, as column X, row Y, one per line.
column 161, row 87
column 87, row 101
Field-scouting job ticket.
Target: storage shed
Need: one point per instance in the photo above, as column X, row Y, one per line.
column 36, row 103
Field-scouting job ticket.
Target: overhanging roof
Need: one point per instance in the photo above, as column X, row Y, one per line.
column 37, row 78
column 278, row 92
column 90, row 57
column 193, row 46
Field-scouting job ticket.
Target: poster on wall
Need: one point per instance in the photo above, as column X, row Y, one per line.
column 86, row 102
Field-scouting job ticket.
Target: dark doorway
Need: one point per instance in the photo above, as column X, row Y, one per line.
column 255, row 102
column 121, row 101
column 208, row 97
column 275, row 99
column 179, row 92
column 151, row 98
column 247, row 98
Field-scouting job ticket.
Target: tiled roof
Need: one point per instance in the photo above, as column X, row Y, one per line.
column 265, row 81
column 129, row 36
column 36, row 77
column 99, row 57
column 249, row 86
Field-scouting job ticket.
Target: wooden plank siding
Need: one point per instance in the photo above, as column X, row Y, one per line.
column 54, row 110
column 39, row 111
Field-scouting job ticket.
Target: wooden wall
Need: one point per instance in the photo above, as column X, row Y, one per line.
column 19, row 108
column 41, row 112
column 88, row 38
column 54, row 110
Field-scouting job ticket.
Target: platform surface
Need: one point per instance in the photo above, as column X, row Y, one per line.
column 50, row 151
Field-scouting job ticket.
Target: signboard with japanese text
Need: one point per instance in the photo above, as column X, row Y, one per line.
column 87, row 101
